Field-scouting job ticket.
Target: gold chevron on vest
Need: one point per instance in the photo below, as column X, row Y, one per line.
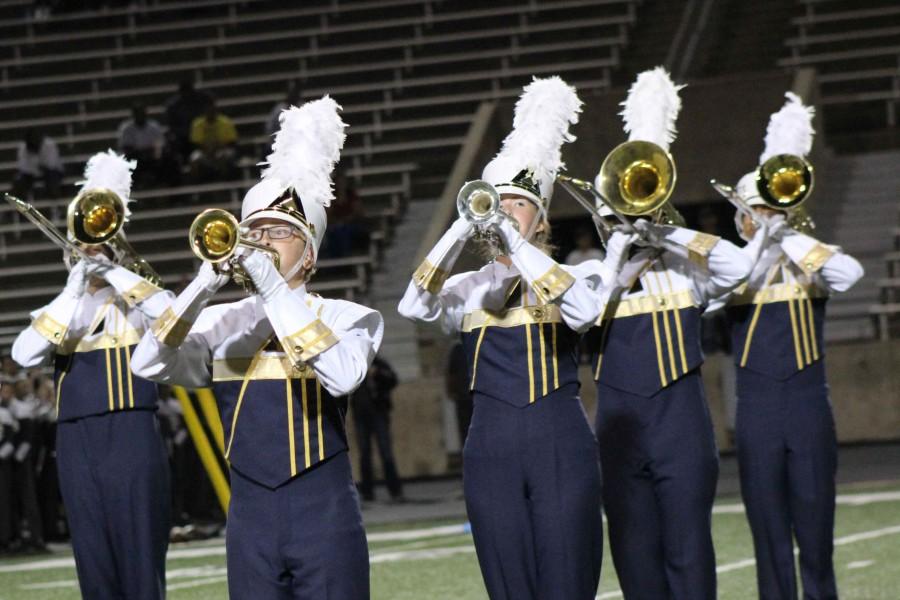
column 278, row 419
column 777, row 330
column 519, row 355
column 649, row 339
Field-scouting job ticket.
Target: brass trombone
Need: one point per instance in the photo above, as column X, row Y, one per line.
column 785, row 181
column 215, row 236
column 93, row 217
column 636, row 179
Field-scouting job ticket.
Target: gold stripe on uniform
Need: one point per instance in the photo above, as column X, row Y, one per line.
column 263, row 367
column 750, row 331
column 59, row 389
column 109, row 385
column 321, row 437
column 290, row 419
column 305, row 425
column 530, row 363
column 796, row 334
column 555, row 365
column 812, row 329
column 659, row 356
column 543, row 360
column 514, row 317
column 678, row 329
column 664, row 315
column 240, row 400
column 475, row 359
column 642, row 305
column 801, row 314
column 779, row 292
column 119, row 378
column 128, row 371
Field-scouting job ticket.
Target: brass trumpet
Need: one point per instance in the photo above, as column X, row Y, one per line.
column 93, row 217
column 215, row 236
column 478, row 202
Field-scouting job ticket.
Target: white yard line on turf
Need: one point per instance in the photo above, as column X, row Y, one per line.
column 749, row 562
column 842, row 499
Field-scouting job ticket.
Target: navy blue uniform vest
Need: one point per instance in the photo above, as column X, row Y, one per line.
column 276, row 426
column 520, row 355
column 649, row 343
column 95, row 381
column 778, row 331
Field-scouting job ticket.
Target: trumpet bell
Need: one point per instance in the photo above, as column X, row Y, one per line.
column 477, row 201
column 214, row 235
column 637, row 178
column 785, row 181
column 95, row 216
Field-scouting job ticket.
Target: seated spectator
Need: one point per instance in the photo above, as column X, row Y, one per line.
column 143, row 139
column 38, row 160
column 214, row 138
column 584, row 248
column 291, row 99
column 347, row 231
column 181, row 109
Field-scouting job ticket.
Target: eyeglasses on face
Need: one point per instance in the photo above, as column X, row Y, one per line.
column 275, row 232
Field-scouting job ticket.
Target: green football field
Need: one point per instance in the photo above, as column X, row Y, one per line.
column 436, row 560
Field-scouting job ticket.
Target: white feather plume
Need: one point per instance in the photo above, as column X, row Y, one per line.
column 306, row 148
column 790, row 130
column 652, row 107
column 543, row 114
column 111, row 171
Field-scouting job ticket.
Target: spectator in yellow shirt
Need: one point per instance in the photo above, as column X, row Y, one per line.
column 214, row 138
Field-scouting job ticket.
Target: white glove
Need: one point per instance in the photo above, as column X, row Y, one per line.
column 461, row 229
column 650, row 233
column 617, row 248
column 777, row 226
column 266, row 278
column 509, row 232
column 210, row 279
column 76, row 284
column 97, row 266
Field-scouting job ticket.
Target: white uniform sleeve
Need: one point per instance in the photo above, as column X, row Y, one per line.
column 831, row 268
column 427, row 298
column 150, row 300
column 49, row 326
column 721, row 265
column 176, row 350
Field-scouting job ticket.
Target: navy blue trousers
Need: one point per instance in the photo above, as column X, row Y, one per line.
column 114, row 479
column 787, row 454
column 660, row 468
column 303, row 540
column 532, row 486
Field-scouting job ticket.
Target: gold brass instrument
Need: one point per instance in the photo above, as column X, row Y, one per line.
column 785, row 181
column 637, row 178
column 94, row 217
column 576, row 186
column 215, row 236
column 478, row 202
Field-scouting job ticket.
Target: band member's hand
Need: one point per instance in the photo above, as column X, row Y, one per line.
column 509, row 232
column 210, row 278
column 97, row 266
column 266, row 278
column 617, row 247
column 76, row 284
column 777, row 226
column 650, row 233
column 461, row 228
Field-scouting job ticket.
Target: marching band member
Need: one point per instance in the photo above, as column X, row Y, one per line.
column 531, row 470
column 786, row 444
column 281, row 364
column 113, row 470
column 657, row 447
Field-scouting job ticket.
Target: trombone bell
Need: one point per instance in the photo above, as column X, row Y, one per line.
column 785, row 181
column 637, row 178
column 95, row 216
